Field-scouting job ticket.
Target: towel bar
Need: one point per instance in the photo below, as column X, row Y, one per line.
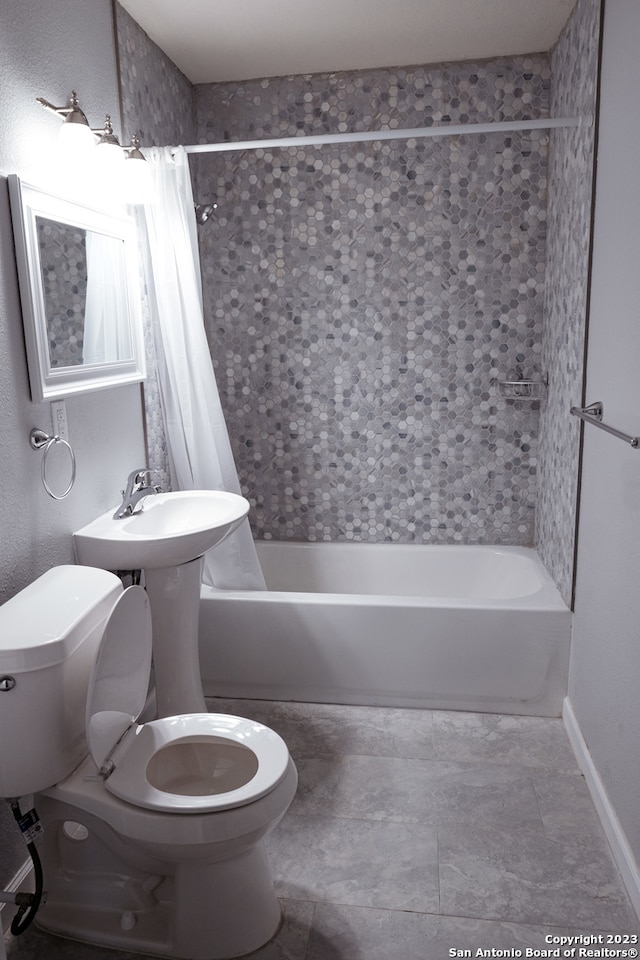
column 594, row 414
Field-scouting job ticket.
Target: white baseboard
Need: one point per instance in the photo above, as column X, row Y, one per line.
column 20, row 881
column 622, row 853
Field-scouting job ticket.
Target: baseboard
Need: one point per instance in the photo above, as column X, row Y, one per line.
column 622, row 853
column 20, row 881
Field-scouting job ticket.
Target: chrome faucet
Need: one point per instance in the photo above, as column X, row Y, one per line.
column 138, row 487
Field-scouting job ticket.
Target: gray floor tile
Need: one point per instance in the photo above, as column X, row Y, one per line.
column 505, row 875
column 358, row 862
column 529, row 741
column 349, row 933
column 414, row 833
column 315, row 730
column 566, row 806
column 291, row 940
column 354, row 933
column 417, row 791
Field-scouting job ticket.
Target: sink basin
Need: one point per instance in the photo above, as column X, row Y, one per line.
column 171, row 529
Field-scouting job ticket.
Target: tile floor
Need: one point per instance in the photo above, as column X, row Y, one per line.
column 415, row 833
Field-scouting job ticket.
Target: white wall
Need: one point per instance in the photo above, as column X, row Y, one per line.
column 47, row 52
column 47, row 49
column 605, row 667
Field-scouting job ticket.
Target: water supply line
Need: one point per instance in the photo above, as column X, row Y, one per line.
column 27, row 903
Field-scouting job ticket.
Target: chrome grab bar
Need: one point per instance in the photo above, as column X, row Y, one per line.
column 594, row 414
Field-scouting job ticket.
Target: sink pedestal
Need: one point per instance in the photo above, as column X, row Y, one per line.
column 166, row 539
column 174, row 598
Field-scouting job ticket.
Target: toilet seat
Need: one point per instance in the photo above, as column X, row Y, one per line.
column 222, row 750
column 190, row 763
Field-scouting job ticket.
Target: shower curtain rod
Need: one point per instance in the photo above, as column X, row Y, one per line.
column 444, row 130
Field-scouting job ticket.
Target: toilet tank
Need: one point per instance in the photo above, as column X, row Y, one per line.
column 49, row 634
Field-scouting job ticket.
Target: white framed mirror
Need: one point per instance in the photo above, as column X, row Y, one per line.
column 80, row 293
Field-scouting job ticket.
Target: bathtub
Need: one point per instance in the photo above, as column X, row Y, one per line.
column 443, row 627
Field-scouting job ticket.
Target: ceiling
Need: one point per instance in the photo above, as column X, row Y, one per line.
column 217, row 40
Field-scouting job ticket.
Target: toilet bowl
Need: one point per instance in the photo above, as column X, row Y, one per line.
column 153, row 841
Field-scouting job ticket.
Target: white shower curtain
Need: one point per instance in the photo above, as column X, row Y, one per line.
column 200, row 453
column 106, row 314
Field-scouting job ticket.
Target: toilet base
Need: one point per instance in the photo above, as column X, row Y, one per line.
column 220, row 920
column 101, row 891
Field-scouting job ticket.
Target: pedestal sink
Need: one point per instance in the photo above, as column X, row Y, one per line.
column 167, row 539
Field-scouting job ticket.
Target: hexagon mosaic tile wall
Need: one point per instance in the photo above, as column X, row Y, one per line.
column 575, row 68
column 63, row 260
column 305, row 104
column 361, row 300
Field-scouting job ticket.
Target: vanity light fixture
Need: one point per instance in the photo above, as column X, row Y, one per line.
column 78, row 140
column 75, row 133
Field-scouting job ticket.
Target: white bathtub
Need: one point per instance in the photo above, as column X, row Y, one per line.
column 449, row 627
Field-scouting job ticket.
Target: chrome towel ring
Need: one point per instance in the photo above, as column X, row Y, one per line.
column 40, row 440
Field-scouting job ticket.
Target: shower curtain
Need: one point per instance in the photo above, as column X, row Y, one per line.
column 200, row 455
column 106, row 313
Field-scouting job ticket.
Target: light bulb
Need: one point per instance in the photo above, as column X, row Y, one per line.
column 137, row 186
column 76, row 142
column 137, row 180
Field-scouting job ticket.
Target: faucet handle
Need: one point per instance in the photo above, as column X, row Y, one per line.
column 135, row 477
column 138, row 487
column 140, row 473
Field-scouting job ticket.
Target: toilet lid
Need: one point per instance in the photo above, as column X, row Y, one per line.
column 120, row 677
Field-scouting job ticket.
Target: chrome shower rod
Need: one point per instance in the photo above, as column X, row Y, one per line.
column 367, row 136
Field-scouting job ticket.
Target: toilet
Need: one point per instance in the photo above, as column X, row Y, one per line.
column 153, row 831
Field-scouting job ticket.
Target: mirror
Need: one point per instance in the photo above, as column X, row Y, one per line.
column 80, row 293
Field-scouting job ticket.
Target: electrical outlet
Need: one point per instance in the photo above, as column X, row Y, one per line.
column 59, row 417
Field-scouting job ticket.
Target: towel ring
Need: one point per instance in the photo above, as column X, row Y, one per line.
column 42, row 441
